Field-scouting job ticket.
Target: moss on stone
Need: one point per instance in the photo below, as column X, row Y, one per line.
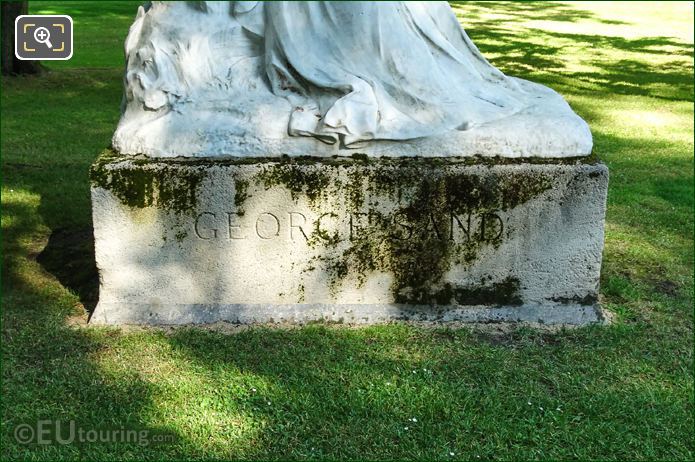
column 241, row 187
column 427, row 196
column 137, row 184
column 322, row 236
column 350, row 159
column 299, row 180
column 180, row 235
column 504, row 293
column 587, row 300
column 240, row 191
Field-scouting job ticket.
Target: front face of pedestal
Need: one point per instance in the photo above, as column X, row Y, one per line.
column 356, row 241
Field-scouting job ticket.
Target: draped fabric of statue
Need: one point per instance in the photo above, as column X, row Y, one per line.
column 254, row 78
column 380, row 70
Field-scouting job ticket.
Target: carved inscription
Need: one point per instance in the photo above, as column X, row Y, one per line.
column 298, row 226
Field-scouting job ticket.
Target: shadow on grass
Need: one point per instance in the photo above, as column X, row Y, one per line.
column 86, row 10
column 51, row 372
column 517, row 12
column 362, row 389
column 69, row 256
column 536, row 54
column 53, row 128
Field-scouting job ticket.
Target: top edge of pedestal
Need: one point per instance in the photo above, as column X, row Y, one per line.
column 112, row 156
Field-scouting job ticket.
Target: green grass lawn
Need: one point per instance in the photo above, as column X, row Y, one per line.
column 385, row 392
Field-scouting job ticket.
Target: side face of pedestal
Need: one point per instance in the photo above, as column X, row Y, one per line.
column 354, row 240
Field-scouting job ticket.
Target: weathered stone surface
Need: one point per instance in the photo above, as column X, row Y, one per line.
column 355, row 240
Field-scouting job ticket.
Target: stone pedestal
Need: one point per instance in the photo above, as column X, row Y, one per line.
column 356, row 240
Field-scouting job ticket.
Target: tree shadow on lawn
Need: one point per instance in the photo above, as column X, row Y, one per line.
column 522, row 56
column 537, row 54
column 52, row 162
column 69, row 256
column 50, row 368
column 519, row 12
column 324, row 392
column 349, row 393
column 84, row 10
column 334, row 393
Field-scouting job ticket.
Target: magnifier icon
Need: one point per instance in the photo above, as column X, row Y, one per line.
column 42, row 35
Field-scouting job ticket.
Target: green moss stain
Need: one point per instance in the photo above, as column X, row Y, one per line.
column 241, row 187
column 311, row 181
column 587, row 300
column 321, row 236
column 413, row 240
column 505, row 293
column 142, row 183
column 180, row 235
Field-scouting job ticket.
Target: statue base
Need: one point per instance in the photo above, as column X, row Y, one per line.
column 355, row 240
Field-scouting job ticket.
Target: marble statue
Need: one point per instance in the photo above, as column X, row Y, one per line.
column 243, row 78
